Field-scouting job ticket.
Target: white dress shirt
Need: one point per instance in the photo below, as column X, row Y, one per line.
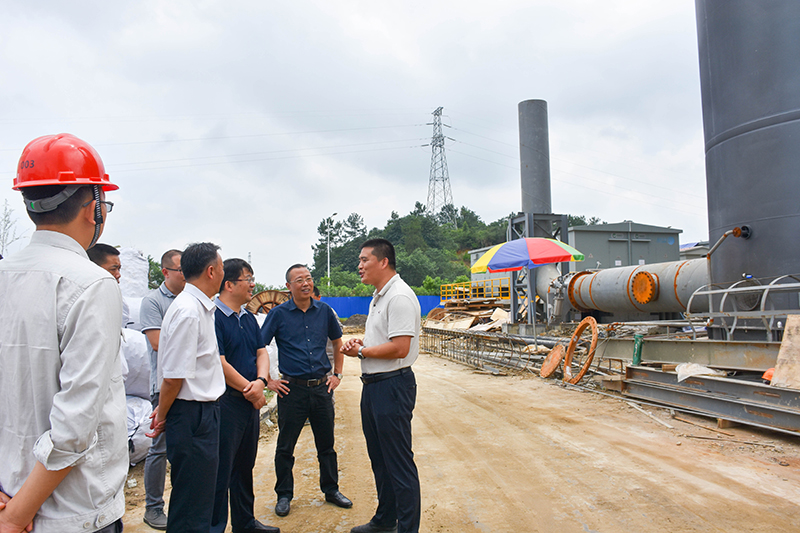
column 187, row 348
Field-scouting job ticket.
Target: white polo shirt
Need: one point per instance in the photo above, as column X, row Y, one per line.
column 393, row 312
column 187, row 348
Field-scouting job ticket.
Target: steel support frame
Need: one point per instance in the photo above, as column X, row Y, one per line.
column 523, row 282
column 767, row 312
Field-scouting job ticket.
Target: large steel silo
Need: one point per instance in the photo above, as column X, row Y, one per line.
column 750, row 80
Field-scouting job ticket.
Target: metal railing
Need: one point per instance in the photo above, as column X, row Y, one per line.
column 499, row 288
column 756, row 303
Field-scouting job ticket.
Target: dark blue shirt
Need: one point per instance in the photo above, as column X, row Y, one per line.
column 238, row 339
column 301, row 338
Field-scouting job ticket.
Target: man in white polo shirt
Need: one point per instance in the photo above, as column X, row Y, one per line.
column 389, row 348
column 192, row 381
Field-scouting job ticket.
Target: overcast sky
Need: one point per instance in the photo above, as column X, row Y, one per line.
column 245, row 123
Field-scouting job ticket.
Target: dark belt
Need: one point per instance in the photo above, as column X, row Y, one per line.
column 230, row 391
column 306, row 382
column 380, row 376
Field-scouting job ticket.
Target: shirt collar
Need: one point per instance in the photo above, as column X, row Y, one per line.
column 292, row 306
column 165, row 291
column 59, row 240
column 200, row 295
column 386, row 287
column 227, row 310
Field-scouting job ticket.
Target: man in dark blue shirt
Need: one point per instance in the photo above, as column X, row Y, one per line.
column 301, row 328
column 245, row 364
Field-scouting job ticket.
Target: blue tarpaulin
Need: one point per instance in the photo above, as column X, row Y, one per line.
column 359, row 305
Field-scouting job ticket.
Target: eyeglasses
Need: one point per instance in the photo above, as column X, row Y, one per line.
column 300, row 281
column 173, row 269
column 249, row 279
column 109, row 205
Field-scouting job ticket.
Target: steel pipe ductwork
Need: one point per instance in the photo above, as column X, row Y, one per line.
column 656, row 288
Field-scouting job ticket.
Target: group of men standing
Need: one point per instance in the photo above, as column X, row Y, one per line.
column 62, row 427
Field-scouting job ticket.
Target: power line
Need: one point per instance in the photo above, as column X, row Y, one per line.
column 583, row 186
column 264, row 153
column 638, row 182
column 566, row 160
column 254, row 135
column 268, row 159
column 225, row 115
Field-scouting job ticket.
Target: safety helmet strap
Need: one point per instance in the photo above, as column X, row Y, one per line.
column 45, row 205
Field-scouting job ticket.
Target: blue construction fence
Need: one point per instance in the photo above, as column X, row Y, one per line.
column 359, row 305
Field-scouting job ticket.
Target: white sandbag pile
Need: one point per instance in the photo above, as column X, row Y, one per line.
column 139, row 411
column 134, row 351
column 133, row 285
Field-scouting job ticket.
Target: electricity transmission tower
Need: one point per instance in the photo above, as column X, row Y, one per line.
column 439, row 194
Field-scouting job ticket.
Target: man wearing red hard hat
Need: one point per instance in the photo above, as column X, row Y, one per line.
column 63, row 435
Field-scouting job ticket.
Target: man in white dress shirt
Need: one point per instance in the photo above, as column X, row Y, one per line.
column 192, row 381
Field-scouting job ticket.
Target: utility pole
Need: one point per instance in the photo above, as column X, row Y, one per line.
column 439, row 193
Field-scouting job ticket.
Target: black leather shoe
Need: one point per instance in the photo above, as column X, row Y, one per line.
column 337, row 498
column 369, row 527
column 258, row 527
column 283, row 506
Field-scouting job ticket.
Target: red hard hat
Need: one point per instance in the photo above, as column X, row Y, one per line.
column 61, row 159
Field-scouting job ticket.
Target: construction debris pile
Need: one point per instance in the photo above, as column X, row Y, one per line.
column 471, row 314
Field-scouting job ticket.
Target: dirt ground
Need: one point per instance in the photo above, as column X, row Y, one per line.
column 520, row 454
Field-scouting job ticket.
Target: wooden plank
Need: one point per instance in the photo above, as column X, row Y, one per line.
column 709, row 428
column 725, row 424
column 612, row 382
column 717, row 439
column 787, row 368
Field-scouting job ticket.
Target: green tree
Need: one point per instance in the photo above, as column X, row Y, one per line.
column 354, row 227
column 448, row 216
column 343, row 278
column 154, row 275
column 581, row 220
column 412, row 235
column 424, row 247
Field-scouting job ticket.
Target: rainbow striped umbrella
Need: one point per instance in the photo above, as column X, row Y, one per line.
column 529, row 252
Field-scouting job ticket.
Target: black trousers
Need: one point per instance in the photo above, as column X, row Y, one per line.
column 238, row 446
column 387, row 407
column 193, row 452
column 316, row 405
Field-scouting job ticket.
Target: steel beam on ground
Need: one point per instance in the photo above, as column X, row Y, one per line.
column 727, row 387
column 715, row 405
column 733, row 355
